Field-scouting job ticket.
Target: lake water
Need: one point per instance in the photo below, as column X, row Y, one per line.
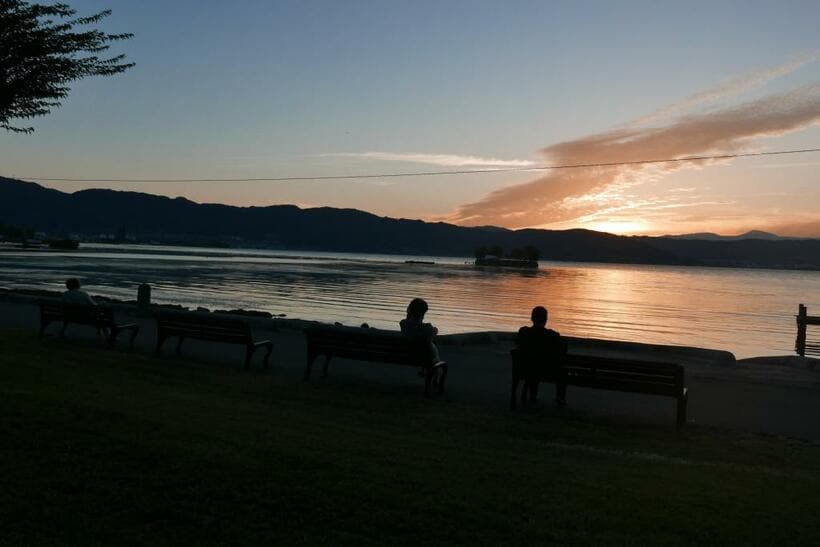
column 749, row 312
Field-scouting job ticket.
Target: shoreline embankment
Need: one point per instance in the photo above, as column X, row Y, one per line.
column 773, row 395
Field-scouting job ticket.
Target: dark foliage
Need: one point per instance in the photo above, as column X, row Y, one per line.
column 155, row 218
column 528, row 252
column 15, row 233
column 525, row 253
column 42, row 52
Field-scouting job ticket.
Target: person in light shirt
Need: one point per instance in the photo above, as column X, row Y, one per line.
column 75, row 295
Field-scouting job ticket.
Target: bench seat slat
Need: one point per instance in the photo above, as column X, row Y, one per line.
column 215, row 338
column 196, row 333
column 632, row 387
column 622, row 376
column 187, row 325
column 638, row 373
column 365, row 355
column 621, row 364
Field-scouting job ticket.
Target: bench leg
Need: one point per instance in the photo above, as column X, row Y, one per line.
column 113, row 332
column 179, row 345
column 43, row 325
column 324, row 367
column 309, row 366
column 682, row 400
column 428, row 379
column 514, row 391
column 249, row 351
column 442, row 377
column 267, row 354
column 160, row 341
column 62, row 330
column 561, row 390
column 134, row 333
column 527, row 392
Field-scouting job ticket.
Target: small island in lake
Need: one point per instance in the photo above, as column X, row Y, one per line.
column 64, row 244
column 525, row 257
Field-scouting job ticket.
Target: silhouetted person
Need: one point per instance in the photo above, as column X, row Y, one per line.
column 414, row 327
column 75, row 295
column 543, row 353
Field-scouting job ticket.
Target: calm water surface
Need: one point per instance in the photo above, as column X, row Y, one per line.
column 749, row 312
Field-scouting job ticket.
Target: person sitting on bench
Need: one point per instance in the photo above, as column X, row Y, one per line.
column 414, row 327
column 74, row 295
column 543, row 351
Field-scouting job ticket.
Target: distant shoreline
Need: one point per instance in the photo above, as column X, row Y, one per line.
column 477, row 338
column 305, row 253
column 107, row 214
column 695, row 307
column 492, row 346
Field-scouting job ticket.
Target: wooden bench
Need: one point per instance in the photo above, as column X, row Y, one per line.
column 210, row 328
column 375, row 345
column 100, row 317
column 629, row 375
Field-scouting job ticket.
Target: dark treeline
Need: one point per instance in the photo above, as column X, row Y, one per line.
column 15, row 233
column 146, row 218
column 525, row 253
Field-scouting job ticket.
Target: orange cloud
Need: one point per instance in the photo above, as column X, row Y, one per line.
column 567, row 194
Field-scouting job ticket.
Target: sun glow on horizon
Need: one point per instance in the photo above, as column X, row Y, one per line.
column 619, row 227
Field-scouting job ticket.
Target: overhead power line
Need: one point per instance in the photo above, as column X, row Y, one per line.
column 442, row 173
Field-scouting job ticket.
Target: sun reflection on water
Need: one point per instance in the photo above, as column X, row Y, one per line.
column 749, row 312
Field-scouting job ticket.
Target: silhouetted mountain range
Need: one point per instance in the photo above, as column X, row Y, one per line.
column 147, row 217
column 753, row 234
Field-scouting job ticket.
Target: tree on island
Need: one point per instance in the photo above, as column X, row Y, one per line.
column 529, row 253
column 526, row 253
column 15, row 233
column 41, row 53
column 496, row 250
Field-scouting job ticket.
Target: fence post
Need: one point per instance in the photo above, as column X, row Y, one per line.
column 800, row 343
column 144, row 298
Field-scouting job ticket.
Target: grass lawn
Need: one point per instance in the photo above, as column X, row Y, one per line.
column 99, row 447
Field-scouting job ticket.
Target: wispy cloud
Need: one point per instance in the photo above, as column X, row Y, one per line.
column 732, row 86
column 443, row 160
column 782, row 165
column 554, row 198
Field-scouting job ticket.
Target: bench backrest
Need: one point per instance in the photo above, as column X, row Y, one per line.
column 625, row 374
column 203, row 327
column 75, row 313
column 618, row 374
column 366, row 345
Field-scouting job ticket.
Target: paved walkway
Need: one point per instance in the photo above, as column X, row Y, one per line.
column 761, row 398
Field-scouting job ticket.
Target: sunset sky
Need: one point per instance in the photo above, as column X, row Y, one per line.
column 260, row 89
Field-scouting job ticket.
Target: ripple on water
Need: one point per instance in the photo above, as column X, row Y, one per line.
column 749, row 312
